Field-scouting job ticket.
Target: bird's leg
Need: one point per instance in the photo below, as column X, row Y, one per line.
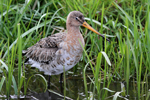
column 61, row 78
column 49, row 77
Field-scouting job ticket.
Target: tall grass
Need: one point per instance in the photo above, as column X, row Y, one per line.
column 125, row 23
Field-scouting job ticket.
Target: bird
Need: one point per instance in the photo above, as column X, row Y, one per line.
column 60, row 51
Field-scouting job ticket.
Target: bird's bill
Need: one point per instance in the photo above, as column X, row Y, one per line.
column 85, row 24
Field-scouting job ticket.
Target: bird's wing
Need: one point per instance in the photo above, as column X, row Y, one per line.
column 44, row 50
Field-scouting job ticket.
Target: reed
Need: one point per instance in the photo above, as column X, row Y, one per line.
column 125, row 59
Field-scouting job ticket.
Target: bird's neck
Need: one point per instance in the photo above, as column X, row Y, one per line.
column 73, row 31
column 74, row 36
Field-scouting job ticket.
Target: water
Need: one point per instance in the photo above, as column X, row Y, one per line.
column 74, row 88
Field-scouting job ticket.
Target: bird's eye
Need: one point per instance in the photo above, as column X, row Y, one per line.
column 76, row 18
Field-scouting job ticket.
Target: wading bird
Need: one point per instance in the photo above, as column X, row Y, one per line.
column 62, row 50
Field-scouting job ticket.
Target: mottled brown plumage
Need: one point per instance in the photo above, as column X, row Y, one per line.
column 60, row 50
column 45, row 49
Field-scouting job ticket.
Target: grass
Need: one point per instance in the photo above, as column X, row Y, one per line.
column 125, row 23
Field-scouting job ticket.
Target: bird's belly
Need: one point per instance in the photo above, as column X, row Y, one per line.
column 66, row 62
column 61, row 63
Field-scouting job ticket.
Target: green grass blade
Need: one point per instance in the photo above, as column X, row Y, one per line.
column 125, row 13
column 20, row 57
column 106, row 57
column 4, row 65
column 15, row 85
column 2, row 82
column 64, row 82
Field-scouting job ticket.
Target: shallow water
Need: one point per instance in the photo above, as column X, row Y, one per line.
column 75, row 88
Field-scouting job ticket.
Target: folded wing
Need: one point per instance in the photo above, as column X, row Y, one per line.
column 44, row 50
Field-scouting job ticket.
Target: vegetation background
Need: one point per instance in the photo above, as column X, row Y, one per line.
column 125, row 22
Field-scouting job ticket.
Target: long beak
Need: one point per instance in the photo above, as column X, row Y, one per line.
column 85, row 24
